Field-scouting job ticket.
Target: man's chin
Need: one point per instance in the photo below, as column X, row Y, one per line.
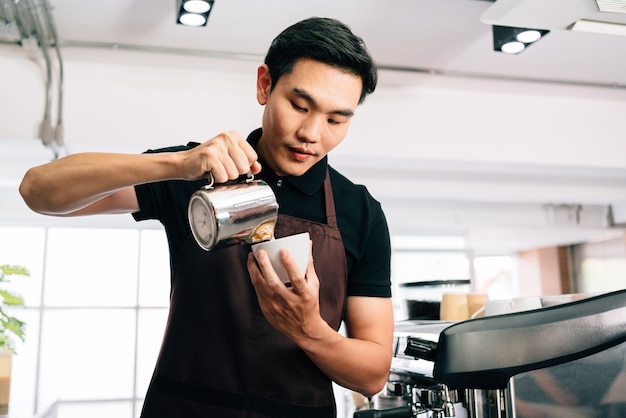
column 294, row 170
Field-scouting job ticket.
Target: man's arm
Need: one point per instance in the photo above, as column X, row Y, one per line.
column 91, row 183
column 359, row 361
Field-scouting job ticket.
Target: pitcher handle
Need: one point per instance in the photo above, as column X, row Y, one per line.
column 249, row 179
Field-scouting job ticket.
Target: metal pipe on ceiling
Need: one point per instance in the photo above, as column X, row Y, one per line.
column 30, row 22
column 45, row 128
column 58, row 131
column 384, row 67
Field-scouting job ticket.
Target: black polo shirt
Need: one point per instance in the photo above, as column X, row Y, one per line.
column 360, row 218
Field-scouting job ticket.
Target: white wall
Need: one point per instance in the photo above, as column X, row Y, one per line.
column 121, row 97
column 418, row 141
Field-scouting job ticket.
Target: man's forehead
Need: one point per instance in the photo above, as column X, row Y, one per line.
column 313, row 80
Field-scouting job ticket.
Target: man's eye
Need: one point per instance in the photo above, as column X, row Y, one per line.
column 298, row 108
column 333, row 122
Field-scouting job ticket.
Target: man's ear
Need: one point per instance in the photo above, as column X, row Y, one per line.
column 263, row 84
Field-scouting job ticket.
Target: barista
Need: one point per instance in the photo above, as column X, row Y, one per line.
column 239, row 343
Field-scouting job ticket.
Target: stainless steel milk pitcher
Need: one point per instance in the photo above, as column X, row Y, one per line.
column 238, row 213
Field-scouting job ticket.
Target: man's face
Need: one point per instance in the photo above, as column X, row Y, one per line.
column 306, row 115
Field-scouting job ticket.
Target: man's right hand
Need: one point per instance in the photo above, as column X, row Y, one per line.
column 226, row 156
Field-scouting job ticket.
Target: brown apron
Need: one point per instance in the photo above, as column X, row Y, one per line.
column 221, row 358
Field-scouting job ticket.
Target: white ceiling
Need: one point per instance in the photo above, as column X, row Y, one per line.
column 452, row 36
column 448, row 37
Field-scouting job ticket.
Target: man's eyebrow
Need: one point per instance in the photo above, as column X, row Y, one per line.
column 306, row 96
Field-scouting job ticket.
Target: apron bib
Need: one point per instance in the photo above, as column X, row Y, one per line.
column 220, row 357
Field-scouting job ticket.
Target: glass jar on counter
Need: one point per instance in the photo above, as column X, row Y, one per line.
column 423, row 299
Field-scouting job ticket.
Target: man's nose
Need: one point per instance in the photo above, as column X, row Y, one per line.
column 311, row 129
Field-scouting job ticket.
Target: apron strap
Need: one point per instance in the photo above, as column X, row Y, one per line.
column 331, row 215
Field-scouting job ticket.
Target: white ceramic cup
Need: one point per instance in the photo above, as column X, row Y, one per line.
column 299, row 247
column 504, row 306
column 491, row 307
column 561, row 299
column 523, row 304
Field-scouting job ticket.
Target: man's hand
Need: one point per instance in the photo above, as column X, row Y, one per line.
column 359, row 361
column 292, row 310
column 226, row 156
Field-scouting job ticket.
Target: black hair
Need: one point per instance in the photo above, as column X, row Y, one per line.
column 325, row 40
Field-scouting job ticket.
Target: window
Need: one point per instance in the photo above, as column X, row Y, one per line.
column 600, row 266
column 494, row 275
column 96, row 307
column 446, row 262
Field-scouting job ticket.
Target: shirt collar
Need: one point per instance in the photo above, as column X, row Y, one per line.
column 308, row 183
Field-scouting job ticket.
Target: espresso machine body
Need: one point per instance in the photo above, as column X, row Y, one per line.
column 564, row 360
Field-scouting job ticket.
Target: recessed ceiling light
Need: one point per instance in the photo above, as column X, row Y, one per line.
column 193, row 12
column 197, row 6
column 513, row 40
column 513, row 47
column 528, row 36
column 192, row 19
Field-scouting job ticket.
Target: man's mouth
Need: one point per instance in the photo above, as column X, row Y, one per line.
column 300, row 154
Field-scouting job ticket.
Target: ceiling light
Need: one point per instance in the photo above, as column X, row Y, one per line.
column 511, row 40
column 192, row 19
column 193, row 12
column 528, row 36
column 196, row 6
column 513, row 47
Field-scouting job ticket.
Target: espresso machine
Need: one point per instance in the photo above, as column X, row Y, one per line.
column 567, row 360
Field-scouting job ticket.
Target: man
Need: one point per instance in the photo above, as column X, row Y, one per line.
column 239, row 343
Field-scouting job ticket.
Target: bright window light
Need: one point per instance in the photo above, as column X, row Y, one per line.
column 192, row 19
column 197, row 6
column 429, row 242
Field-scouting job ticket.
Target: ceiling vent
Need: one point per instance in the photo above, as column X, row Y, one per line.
column 612, row 6
column 607, row 24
